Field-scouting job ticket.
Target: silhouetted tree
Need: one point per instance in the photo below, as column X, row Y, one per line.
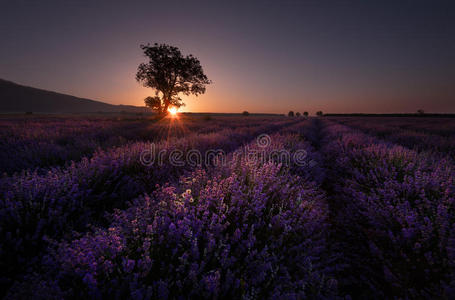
column 170, row 73
column 305, row 113
column 290, row 113
column 420, row 112
column 297, row 114
column 245, row 113
column 319, row 114
column 153, row 102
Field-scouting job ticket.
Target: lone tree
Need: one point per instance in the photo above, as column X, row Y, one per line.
column 305, row 113
column 245, row 113
column 170, row 73
column 290, row 114
column 319, row 113
column 297, row 114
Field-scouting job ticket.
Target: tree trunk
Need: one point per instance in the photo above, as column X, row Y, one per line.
column 166, row 106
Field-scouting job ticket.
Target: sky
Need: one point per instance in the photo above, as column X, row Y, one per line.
column 262, row 56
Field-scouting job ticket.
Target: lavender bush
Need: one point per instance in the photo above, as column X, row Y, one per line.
column 245, row 230
column 295, row 209
column 397, row 208
column 53, row 205
column 420, row 134
column 42, row 142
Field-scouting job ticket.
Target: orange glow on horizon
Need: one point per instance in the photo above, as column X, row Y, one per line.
column 173, row 111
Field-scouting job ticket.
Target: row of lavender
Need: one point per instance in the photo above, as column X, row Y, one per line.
column 432, row 125
column 35, row 208
column 30, row 143
column 394, row 211
column 251, row 229
column 422, row 134
column 248, row 229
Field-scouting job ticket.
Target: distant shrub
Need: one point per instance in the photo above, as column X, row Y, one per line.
column 245, row 113
column 290, row 113
column 305, row 113
column 207, row 118
column 28, row 112
column 319, row 113
column 420, row 112
column 297, row 114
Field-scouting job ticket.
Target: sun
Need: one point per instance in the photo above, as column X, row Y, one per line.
column 172, row 111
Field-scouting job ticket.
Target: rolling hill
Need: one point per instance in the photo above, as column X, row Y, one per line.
column 16, row 98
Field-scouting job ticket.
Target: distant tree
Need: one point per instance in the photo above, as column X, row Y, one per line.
column 290, row 113
column 245, row 113
column 305, row 113
column 319, row 114
column 297, row 114
column 420, row 112
column 170, row 73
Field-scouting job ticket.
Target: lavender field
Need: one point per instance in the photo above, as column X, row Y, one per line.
column 227, row 207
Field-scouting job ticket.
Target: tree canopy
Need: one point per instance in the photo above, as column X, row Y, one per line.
column 170, row 74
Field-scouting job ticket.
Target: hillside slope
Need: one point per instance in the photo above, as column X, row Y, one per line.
column 18, row 98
